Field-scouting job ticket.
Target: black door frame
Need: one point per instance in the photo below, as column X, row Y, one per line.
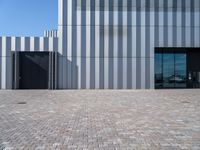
column 52, row 70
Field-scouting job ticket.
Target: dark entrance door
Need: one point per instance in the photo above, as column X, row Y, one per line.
column 33, row 70
column 194, row 69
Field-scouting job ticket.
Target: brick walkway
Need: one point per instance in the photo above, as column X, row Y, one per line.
column 107, row 120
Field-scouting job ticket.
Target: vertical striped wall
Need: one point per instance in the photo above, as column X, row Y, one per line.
column 109, row 44
column 9, row 44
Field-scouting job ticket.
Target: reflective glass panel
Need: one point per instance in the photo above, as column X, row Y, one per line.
column 180, row 71
column 168, row 70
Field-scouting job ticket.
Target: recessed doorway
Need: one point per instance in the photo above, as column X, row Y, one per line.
column 33, row 70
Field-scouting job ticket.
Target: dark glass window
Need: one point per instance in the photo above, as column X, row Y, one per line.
column 170, row 70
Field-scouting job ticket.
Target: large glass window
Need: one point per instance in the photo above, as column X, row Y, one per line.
column 170, row 70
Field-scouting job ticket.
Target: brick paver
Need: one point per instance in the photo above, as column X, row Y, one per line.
column 105, row 120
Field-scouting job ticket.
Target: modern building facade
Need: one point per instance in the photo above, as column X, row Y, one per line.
column 109, row 44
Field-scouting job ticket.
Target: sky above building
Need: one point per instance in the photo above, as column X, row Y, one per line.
column 27, row 17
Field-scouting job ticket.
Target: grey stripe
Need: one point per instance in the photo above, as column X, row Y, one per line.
column 111, row 47
column 120, row 45
column 148, row 72
column 192, row 23
column 8, row 63
column 147, row 63
column 138, row 45
column 46, row 44
column 138, row 73
column 183, row 22
column 83, row 46
column 174, row 23
column 165, row 23
column 101, row 60
column 36, row 46
column 129, row 46
column 8, row 73
column 74, row 71
column 27, row 43
column 156, row 33
column 101, row 55
column 92, row 45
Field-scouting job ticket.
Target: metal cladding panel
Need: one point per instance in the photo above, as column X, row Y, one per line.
column 110, row 44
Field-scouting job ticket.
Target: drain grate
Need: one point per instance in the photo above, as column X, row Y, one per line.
column 21, row 103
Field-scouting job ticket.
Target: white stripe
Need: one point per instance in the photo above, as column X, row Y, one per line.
column 3, row 75
column 79, row 45
column 51, row 40
column 69, row 30
column 115, row 46
column 42, row 44
column 13, row 43
column 22, row 43
column 143, row 48
column 134, row 47
column 60, row 12
column 88, row 44
column 125, row 45
column 32, row 48
column 97, row 45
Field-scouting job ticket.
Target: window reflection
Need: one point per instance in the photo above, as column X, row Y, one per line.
column 170, row 70
column 180, row 71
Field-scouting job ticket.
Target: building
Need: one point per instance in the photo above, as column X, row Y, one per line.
column 109, row 44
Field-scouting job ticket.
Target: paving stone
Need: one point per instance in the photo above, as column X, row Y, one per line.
column 100, row 119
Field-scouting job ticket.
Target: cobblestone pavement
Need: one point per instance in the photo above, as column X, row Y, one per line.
column 105, row 120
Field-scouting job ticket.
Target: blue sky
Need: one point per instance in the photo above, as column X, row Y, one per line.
column 27, row 17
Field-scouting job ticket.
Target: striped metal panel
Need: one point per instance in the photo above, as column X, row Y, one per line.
column 109, row 44
column 9, row 44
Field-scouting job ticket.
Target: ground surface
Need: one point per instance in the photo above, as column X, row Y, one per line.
column 107, row 120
